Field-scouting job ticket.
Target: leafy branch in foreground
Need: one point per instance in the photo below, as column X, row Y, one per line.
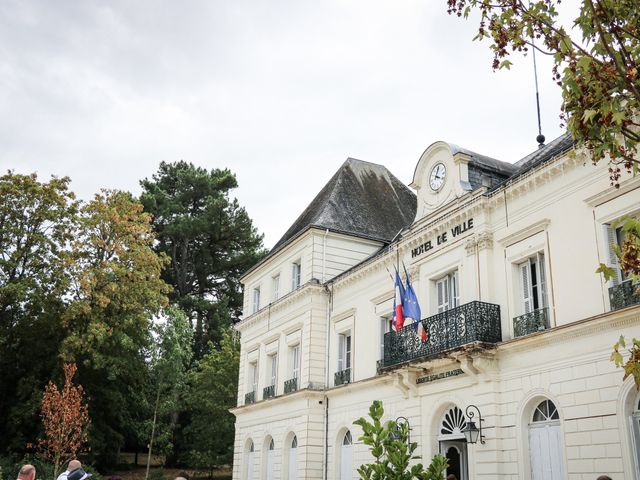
column 632, row 364
column 392, row 451
column 597, row 69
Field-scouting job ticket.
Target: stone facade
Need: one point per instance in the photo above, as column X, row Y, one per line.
column 525, row 321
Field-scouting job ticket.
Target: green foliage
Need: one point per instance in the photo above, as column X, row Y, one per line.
column 36, row 223
column 631, row 365
column 171, row 357
column 209, row 240
column 157, row 474
column 116, row 291
column 598, row 68
column 213, row 392
column 388, row 443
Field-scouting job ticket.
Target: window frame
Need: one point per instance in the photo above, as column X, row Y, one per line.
column 256, row 299
column 296, row 274
column 447, row 291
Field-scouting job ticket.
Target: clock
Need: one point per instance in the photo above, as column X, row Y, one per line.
column 436, row 179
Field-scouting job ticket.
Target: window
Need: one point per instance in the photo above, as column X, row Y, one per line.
column 344, row 351
column 256, row 299
column 614, row 236
column 385, row 327
column 346, row 457
column 274, row 368
column 533, row 283
column 275, row 287
column 293, row 459
column 270, row 457
column 294, row 361
column 252, row 384
column 448, row 293
column 249, row 466
column 295, row 275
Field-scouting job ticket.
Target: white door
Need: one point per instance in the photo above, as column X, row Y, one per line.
column 250, row 464
column 546, row 452
column 270, row 460
column 346, row 458
column 293, row 460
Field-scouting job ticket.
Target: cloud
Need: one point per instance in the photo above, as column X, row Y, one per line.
column 280, row 92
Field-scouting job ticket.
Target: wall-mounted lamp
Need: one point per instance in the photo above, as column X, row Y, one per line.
column 399, row 422
column 471, row 432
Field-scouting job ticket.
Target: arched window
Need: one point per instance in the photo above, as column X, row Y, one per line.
column 545, row 448
column 293, row 459
column 270, row 458
column 453, row 423
column 346, row 457
column 249, row 468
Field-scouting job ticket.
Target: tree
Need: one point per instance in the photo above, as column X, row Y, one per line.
column 213, row 391
column 37, row 220
column 65, row 418
column 209, row 240
column 392, row 451
column 170, row 362
column 598, row 71
column 116, row 291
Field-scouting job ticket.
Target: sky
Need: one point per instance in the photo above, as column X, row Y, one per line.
column 281, row 92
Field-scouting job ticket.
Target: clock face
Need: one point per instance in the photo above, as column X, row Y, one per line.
column 436, row 179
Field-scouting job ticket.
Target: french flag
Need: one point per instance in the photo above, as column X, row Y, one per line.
column 398, row 306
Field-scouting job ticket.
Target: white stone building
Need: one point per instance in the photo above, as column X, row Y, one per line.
column 502, row 257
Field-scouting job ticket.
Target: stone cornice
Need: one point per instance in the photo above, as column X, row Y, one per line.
column 280, row 304
column 611, row 193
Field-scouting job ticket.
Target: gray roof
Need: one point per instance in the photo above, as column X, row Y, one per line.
column 362, row 199
column 551, row 150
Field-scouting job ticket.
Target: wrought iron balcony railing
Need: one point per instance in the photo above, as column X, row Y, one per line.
column 291, row 385
column 268, row 392
column 531, row 322
column 472, row 322
column 624, row 295
column 342, row 377
column 249, row 398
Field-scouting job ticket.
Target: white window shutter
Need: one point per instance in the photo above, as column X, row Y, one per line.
column 443, row 295
column 612, row 239
column 525, row 275
column 341, row 352
column 455, row 295
column 543, row 280
column 347, row 352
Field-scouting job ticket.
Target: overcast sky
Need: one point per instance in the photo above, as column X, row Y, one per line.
column 279, row 91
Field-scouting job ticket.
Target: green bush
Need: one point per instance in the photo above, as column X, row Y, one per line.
column 157, row 474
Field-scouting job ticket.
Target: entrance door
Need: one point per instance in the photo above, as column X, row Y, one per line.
column 456, row 453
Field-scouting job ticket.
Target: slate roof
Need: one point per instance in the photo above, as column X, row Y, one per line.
column 551, row 150
column 362, row 199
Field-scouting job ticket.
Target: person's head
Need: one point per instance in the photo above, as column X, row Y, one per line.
column 73, row 464
column 604, row 477
column 451, row 476
column 180, row 478
column 27, row 472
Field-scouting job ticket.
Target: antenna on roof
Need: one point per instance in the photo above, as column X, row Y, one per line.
column 540, row 138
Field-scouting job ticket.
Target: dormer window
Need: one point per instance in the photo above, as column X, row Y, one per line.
column 295, row 274
column 256, row 299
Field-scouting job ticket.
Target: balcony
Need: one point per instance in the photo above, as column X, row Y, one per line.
column 291, row 385
column 250, row 398
column 624, row 295
column 472, row 322
column 268, row 392
column 531, row 322
column 342, row 377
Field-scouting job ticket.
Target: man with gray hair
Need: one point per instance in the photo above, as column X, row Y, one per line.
column 73, row 464
column 27, row 472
